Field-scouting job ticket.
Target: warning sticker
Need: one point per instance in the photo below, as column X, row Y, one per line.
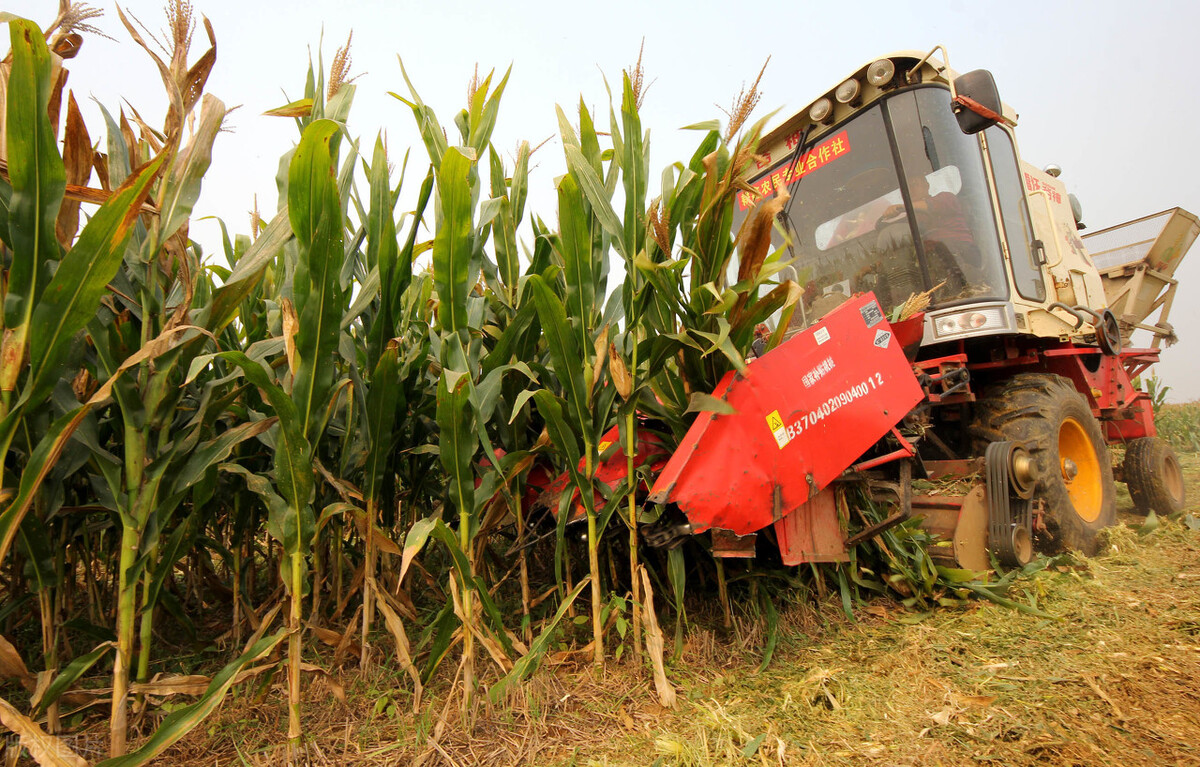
column 871, row 314
column 604, row 445
column 822, row 335
column 775, row 424
column 882, row 337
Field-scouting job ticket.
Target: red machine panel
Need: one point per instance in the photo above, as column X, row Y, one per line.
column 613, row 468
column 804, row 413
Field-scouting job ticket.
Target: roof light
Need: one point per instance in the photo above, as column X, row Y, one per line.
column 821, row 111
column 848, row 91
column 881, row 72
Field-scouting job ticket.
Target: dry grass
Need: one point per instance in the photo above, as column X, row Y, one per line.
column 1115, row 679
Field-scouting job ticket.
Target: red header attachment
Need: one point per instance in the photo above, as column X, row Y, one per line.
column 806, row 411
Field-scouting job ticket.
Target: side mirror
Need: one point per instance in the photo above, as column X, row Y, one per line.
column 977, row 104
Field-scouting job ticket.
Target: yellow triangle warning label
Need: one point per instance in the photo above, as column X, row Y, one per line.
column 774, row 422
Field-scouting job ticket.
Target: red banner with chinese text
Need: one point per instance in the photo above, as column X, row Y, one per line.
column 788, row 174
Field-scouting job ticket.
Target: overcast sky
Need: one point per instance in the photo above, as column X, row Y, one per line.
column 1103, row 89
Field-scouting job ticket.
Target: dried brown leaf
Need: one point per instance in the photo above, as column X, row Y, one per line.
column 46, row 750
column 165, row 686
column 193, row 82
column 77, row 161
column 654, row 644
column 336, row 687
column 619, row 373
column 291, row 326
column 11, row 664
column 599, row 348
column 755, row 235
column 131, row 143
column 67, row 46
column 403, row 648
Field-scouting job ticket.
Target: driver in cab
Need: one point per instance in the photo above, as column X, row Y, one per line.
column 940, row 217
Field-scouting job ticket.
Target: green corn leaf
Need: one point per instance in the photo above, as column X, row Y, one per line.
column 177, row 546
column 214, row 451
column 382, row 250
column 580, row 268
column 73, row 295
column 457, row 442
column 505, row 240
column 383, row 398
column 247, row 272
column 589, row 141
column 183, row 181
column 68, row 676
column 991, row 595
column 316, row 219
column 453, row 242
column 565, row 129
column 431, row 132
column 293, row 455
column 277, row 507
column 751, row 748
column 520, row 182
column 442, row 629
column 528, row 662
column 414, row 541
column 565, row 355
column 312, row 179
column 118, row 151
column 38, row 180
column 565, row 439
column 677, row 574
column 476, row 583
column 700, row 402
column 499, row 184
column 634, row 170
column 35, row 545
column 404, row 272
column 512, row 340
column 485, row 120
column 179, row 723
column 584, row 178
column 294, row 527
column 43, row 458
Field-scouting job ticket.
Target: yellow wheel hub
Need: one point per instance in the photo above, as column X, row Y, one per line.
column 1080, row 470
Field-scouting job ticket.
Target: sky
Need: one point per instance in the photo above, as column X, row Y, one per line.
column 1103, row 89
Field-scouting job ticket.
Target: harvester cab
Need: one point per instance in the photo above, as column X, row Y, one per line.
column 952, row 326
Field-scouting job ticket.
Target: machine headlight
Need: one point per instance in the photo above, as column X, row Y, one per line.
column 821, row 111
column 847, row 91
column 881, row 72
column 972, row 320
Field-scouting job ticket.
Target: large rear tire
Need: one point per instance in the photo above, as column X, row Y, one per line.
column 1072, row 470
column 1154, row 477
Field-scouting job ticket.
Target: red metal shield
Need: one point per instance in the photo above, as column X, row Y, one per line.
column 804, row 413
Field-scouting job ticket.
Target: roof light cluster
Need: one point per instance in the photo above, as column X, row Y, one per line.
column 880, row 74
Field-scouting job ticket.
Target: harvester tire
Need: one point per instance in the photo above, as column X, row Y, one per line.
column 1071, row 467
column 1153, row 476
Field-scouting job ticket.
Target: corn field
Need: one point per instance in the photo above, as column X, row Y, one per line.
column 337, row 430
